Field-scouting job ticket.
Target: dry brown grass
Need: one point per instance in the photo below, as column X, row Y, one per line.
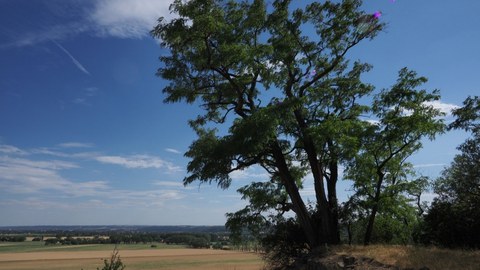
column 177, row 259
column 416, row 257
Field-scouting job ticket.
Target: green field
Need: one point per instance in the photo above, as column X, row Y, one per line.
column 29, row 246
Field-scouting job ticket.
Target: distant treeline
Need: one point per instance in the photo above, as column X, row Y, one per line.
column 12, row 238
column 195, row 240
column 93, row 230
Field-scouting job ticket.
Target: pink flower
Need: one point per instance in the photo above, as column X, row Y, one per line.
column 377, row 14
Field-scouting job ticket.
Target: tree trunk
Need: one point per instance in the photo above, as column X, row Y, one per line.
column 349, row 231
column 327, row 219
column 333, row 202
column 371, row 218
column 371, row 222
column 299, row 207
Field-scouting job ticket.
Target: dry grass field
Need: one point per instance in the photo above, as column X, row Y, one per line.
column 134, row 259
column 35, row 256
column 416, row 257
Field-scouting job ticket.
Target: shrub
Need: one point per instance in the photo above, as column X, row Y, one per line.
column 115, row 263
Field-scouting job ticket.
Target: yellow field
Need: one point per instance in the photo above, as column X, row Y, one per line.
column 178, row 259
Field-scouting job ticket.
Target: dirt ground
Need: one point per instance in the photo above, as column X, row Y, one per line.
column 178, row 259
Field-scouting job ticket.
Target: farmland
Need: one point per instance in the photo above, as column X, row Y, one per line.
column 31, row 255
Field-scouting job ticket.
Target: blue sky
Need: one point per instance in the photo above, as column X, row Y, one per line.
column 86, row 139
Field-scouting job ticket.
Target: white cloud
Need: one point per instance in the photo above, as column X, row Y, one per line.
column 51, row 165
column 44, row 179
column 249, row 174
column 443, row 107
column 139, row 162
column 372, row 121
column 168, row 183
column 82, row 101
column 117, row 18
column 428, row 197
column 128, row 18
column 56, row 153
column 35, row 203
column 171, row 150
column 86, row 96
column 9, row 149
column 74, row 60
column 75, row 145
column 55, row 32
column 145, row 198
column 20, row 175
column 428, row 165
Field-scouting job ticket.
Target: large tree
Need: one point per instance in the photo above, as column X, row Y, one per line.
column 278, row 77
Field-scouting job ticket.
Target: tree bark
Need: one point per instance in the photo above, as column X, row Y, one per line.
column 333, row 202
column 299, row 207
column 327, row 216
column 371, row 218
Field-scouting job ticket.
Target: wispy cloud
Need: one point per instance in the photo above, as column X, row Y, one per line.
column 169, row 184
column 428, row 165
column 40, row 182
column 20, row 175
column 171, row 150
column 48, row 33
column 372, row 121
column 446, row 108
column 115, row 18
column 145, row 197
column 9, row 149
column 249, row 174
column 128, row 18
column 86, row 96
column 34, row 203
column 74, row 60
column 55, row 152
column 139, row 162
column 75, row 145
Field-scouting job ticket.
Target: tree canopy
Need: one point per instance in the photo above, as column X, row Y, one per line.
column 278, row 92
column 454, row 217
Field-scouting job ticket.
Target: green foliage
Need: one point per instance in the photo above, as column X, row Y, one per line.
column 12, row 238
column 454, row 217
column 284, row 244
column 190, row 239
column 468, row 116
column 253, row 221
column 226, row 55
column 380, row 171
column 278, row 97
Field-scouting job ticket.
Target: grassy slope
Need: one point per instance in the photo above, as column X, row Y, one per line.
column 416, row 257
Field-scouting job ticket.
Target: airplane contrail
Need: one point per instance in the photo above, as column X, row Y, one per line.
column 75, row 61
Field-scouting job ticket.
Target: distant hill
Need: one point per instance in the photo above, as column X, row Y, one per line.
column 113, row 228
